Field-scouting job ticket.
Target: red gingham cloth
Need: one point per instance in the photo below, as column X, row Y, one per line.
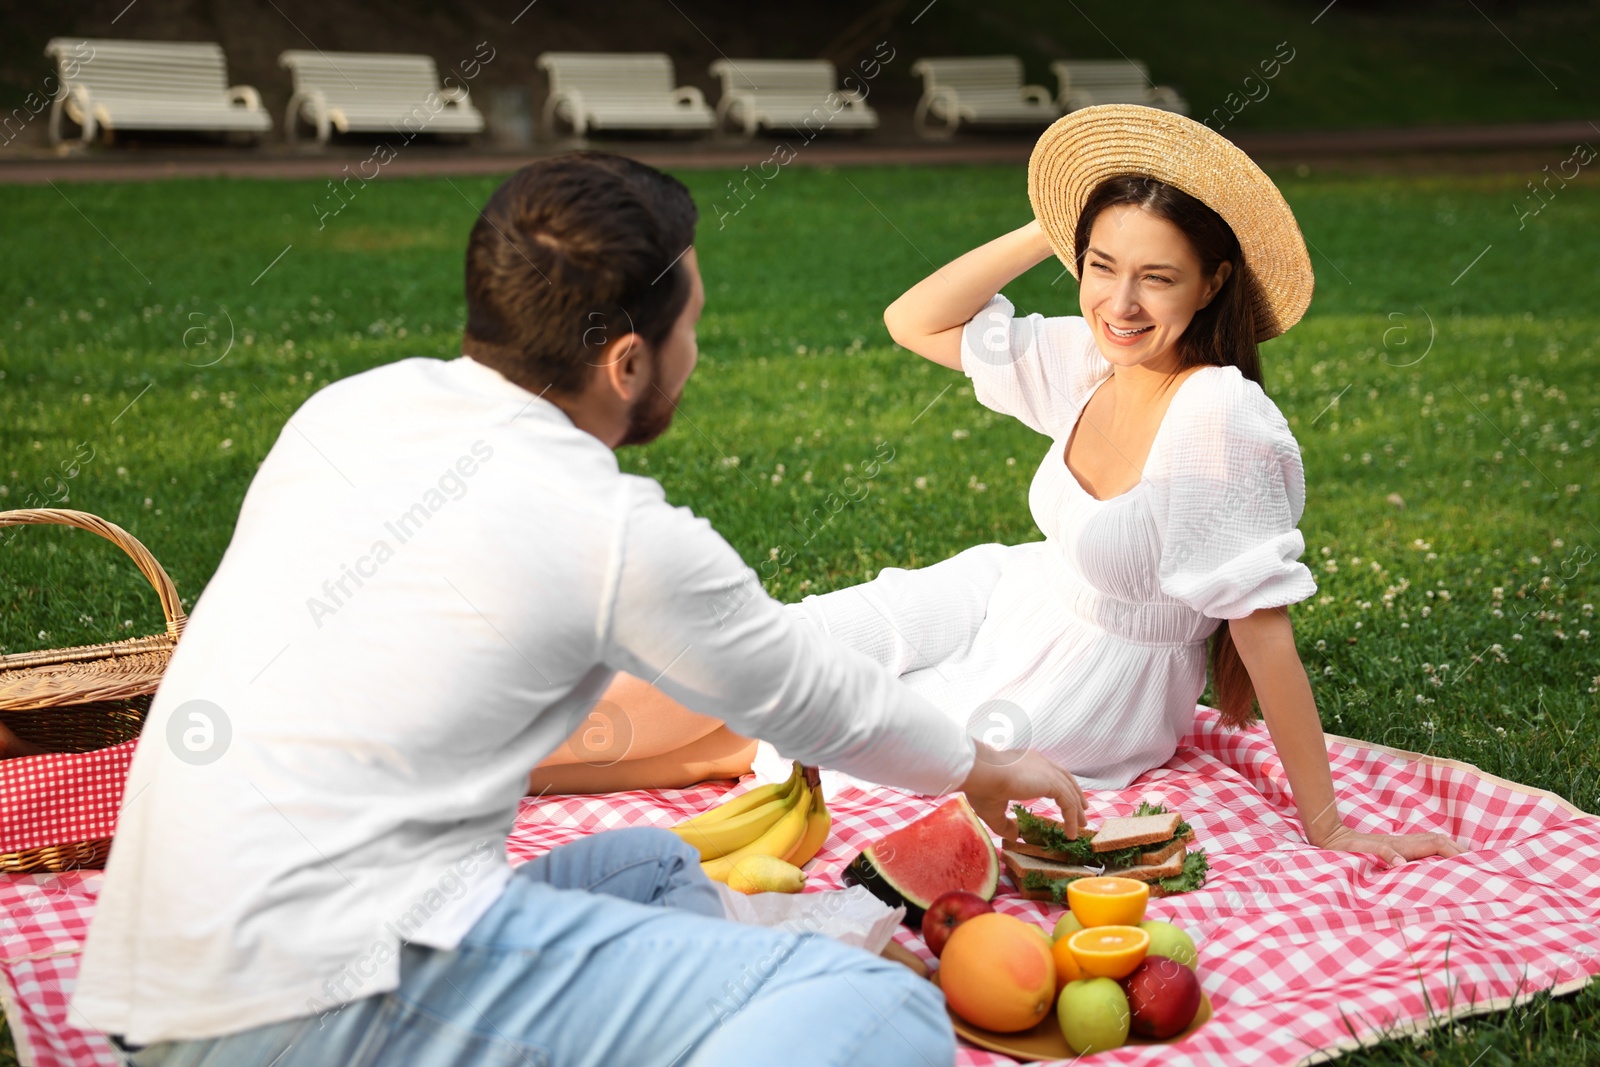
column 1297, row 946
column 62, row 797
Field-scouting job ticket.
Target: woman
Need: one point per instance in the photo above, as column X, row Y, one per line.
column 1168, row 498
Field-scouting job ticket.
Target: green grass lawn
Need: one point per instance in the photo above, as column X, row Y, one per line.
column 1309, row 65
column 1450, row 358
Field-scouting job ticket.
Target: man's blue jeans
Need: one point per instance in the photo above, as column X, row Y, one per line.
column 611, row 951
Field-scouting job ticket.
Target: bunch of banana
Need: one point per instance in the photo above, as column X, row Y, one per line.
column 818, row 823
column 787, row 820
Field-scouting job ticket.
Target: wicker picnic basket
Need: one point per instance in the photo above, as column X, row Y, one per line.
column 83, row 699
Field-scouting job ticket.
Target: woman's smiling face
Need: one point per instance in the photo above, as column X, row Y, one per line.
column 1141, row 284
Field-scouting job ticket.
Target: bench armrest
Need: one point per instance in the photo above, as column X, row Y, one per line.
column 943, row 104
column 1167, row 97
column 573, row 101
column 246, row 95
column 689, row 94
column 73, row 97
column 455, row 94
column 1036, row 94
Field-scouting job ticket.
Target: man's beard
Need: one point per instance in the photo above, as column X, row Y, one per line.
column 650, row 416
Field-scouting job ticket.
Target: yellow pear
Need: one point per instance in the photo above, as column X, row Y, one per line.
column 765, row 874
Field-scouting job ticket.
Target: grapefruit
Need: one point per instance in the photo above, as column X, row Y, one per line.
column 997, row 972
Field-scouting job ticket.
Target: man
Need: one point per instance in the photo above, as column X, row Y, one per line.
column 435, row 572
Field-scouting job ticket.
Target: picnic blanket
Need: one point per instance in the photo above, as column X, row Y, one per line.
column 1304, row 953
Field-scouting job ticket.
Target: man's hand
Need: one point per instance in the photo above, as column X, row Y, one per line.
column 1000, row 776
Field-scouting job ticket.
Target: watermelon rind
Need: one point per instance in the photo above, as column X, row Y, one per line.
column 874, row 868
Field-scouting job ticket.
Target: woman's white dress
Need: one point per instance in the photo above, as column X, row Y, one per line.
column 1091, row 644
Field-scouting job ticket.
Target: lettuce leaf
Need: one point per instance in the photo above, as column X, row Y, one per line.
column 1049, row 834
column 1056, row 886
column 1193, row 876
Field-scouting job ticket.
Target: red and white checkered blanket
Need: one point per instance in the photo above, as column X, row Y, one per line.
column 1302, row 951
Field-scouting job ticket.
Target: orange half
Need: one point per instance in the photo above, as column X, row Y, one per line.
column 1109, row 951
column 1107, row 901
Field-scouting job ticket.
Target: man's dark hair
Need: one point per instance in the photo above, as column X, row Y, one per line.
column 568, row 254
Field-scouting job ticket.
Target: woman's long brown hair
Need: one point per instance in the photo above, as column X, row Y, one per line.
column 1223, row 334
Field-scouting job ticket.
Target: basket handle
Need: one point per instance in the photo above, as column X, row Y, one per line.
column 171, row 607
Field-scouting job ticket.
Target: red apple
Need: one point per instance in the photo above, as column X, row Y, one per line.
column 1163, row 996
column 948, row 912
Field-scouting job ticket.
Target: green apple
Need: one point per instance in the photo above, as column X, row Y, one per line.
column 1093, row 1015
column 1066, row 926
column 1169, row 941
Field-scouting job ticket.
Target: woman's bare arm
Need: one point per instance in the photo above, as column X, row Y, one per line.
column 1265, row 640
column 927, row 318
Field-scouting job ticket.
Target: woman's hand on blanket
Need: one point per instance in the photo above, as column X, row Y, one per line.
column 1391, row 848
column 1001, row 776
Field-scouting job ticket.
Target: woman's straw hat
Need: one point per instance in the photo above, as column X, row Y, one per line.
column 1082, row 149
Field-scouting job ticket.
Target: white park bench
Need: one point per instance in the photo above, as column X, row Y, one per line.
column 801, row 94
column 620, row 91
column 1085, row 82
column 149, row 85
column 373, row 92
column 977, row 89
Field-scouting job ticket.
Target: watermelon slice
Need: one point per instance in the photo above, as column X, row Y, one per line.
column 946, row 849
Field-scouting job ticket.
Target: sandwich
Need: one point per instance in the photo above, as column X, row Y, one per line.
column 1151, row 845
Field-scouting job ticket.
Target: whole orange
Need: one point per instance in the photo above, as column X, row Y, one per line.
column 1067, row 969
column 998, row 973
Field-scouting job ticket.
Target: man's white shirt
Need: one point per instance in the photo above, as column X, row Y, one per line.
column 433, row 577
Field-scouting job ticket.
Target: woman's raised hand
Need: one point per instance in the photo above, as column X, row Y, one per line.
column 1001, row 776
column 928, row 317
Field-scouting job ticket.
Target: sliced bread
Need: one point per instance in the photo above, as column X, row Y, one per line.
column 1149, row 872
column 1129, row 830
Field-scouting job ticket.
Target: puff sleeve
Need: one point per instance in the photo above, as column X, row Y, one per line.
column 1228, row 503
column 1038, row 370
